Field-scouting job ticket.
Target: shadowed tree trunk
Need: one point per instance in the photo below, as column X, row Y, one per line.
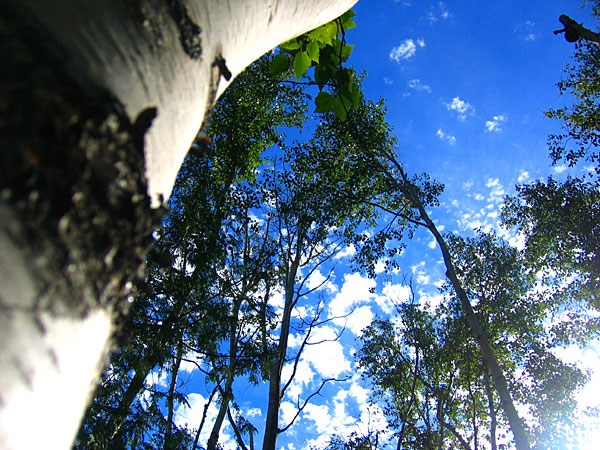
column 99, row 102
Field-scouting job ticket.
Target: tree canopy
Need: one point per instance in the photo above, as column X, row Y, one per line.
column 260, row 211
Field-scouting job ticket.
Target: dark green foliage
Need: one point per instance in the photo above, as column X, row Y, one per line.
column 354, row 442
column 253, row 213
column 427, row 372
column 581, row 121
column 559, row 219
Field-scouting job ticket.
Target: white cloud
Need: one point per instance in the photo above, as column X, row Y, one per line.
column 406, row 49
column 527, row 31
column 189, row 366
column 423, row 279
column 303, row 377
column 416, row 84
column 276, row 300
column 494, row 124
column 334, row 418
column 318, row 281
column 354, row 291
column 523, row 176
column 359, row 393
column 327, row 357
column 287, row 412
column 350, row 250
column 461, row 107
column 357, row 321
column 387, row 80
column 379, row 266
column 430, row 302
column 395, row 293
column 560, row 169
column 478, row 197
column 253, row 412
column 419, row 271
column 157, row 378
column 190, row 417
column 319, row 414
column 446, row 137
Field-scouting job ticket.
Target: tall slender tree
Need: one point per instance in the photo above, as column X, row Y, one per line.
column 314, row 217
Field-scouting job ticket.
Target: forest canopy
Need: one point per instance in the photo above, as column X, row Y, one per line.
column 282, row 200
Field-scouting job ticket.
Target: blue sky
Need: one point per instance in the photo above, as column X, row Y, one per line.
column 465, row 84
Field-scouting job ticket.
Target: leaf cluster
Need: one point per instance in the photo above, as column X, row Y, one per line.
column 324, row 49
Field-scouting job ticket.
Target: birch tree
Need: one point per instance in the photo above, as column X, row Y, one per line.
column 100, row 103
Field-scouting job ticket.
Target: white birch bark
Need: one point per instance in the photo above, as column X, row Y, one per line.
column 49, row 363
column 144, row 64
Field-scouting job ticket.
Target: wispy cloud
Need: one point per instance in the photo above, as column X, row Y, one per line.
column 416, row 84
column 526, row 31
column 439, row 12
column 446, row 137
column 494, row 124
column 497, row 192
column 461, row 107
column 406, row 49
column 387, row 80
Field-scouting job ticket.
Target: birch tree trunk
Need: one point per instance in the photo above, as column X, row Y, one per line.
column 99, row 102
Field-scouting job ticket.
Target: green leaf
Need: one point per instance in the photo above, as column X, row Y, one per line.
column 355, row 95
column 337, row 46
column 347, row 15
column 327, row 57
column 324, row 33
column 344, row 79
column 280, row 63
column 346, row 50
column 292, row 44
column 313, row 51
column 346, row 20
column 339, row 108
column 324, row 102
column 301, row 64
column 323, row 74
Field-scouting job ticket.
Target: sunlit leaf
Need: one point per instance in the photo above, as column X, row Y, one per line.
column 292, row 44
column 301, row 64
column 313, row 51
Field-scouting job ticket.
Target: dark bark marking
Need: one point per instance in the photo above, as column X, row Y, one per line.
column 72, row 170
column 189, row 32
column 219, row 62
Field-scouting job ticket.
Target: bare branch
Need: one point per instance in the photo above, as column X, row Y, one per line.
column 307, row 400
